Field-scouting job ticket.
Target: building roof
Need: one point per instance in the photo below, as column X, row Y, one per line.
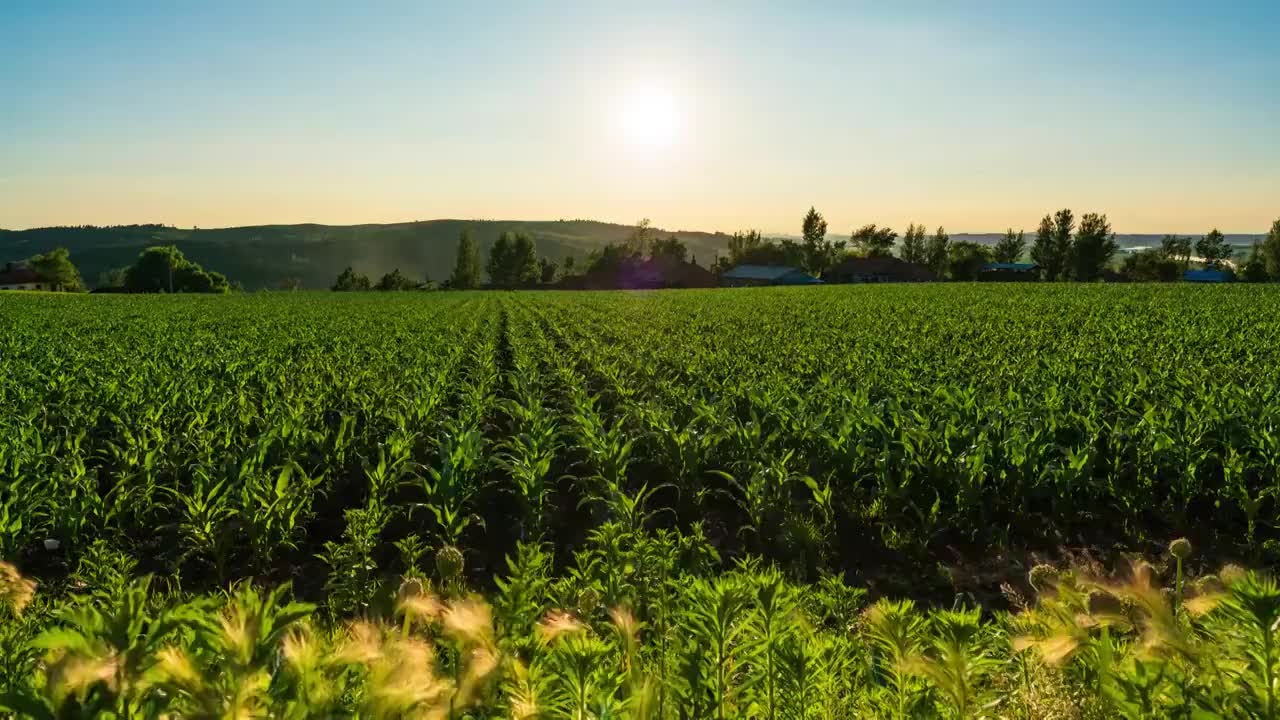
column 18, row 276
column 1213, row 276
column 800, row 278
column 1019, row 267
column 886, row 266
column 760, row 272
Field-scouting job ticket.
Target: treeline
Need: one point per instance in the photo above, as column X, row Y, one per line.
column 816, row 252
column 134, row 226
column 350, row 281
column 1063, row 249
column 158, row 269
column 513, row 262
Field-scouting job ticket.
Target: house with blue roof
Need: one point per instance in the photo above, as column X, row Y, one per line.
column 758, row 275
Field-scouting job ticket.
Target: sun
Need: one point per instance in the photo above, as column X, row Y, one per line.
column 649, row 117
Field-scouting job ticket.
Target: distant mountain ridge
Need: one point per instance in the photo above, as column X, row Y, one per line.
column 261, row 256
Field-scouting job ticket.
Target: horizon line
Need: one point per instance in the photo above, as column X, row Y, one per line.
column 632, row 224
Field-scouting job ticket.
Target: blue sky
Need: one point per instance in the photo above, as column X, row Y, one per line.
column 714, row 115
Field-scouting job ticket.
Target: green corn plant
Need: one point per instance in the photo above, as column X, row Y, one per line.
column 206, row 514
column 772, row 627
column 715, row 623
column 1251, row 610
column 609, row 453
column 527, row 457
column 351, row 584
column 585, row 682
column 411, row 549
column 227, row 671
column 449, row 487
column 102, row 657
column 523, row 597
column 955, row 662
column 272, row 507
column 894, row 630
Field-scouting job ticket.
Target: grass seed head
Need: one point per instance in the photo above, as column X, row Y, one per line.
column 449, row 562
column 588, row 601
column 362, row 645
column 469, row 622
column 1042, row 577
column 15, row 590
column 1232, row 574
column 1208, row 584
column 557, row 624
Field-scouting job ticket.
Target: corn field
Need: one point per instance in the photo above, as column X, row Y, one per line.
column 770, row 503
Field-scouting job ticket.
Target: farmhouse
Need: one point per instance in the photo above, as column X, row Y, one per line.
column 756, row 275
column 1009, row 272
column 17, row 277
column 878, row 270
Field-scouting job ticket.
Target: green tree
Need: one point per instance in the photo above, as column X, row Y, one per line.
column 500, row 255
column 742, row 244
column 1094, row 246
column 1009, row 248
column 819, row 253
column 1177, row 250
column 1213, row 249
column 1150, row 265
column 547, row 271
column 165, row 269
column 466, row 269
column 1042, row 248
column 349, row 280
column 1254, row 269
column 395, row 280
column 1271, row 251
column 193, row 279
column 638, row 242
column 524, row 262
column 913, row 244
column 56, row 269
column 871, row 241
column 965, row 259
column 1052, row 248
column 113, row 278
column 672, row 248
column 936, row 252
column 1064, row 224
column 154, row 269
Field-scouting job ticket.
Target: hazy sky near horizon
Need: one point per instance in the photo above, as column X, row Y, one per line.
column 699, row 115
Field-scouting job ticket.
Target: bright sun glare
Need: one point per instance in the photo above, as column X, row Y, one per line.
column 649, row 118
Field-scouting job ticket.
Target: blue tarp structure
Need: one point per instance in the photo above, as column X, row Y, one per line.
column 1207, row 276
column 767, row 275
column 1013, row 267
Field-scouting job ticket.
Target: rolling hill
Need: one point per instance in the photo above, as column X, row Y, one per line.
column 264, row 255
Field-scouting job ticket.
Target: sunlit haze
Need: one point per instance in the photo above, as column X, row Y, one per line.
column 708, row 116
